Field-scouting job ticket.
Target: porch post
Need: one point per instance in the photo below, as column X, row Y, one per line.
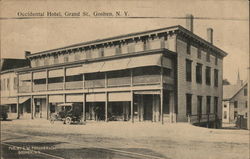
column 161, row 94
column 17, row 107
column 171, row 106
column 32, row 107
column 106, row 107
column 83, row 108
column 64, row 78
column 47, row 105
column 132, row 106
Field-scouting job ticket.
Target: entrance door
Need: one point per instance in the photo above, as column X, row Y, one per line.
column 148, row 106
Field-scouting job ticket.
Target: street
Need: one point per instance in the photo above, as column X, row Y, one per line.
column 118, row 140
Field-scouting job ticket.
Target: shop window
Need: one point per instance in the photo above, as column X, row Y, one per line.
column 199, row 105
column 215, row 105
column 235, row 114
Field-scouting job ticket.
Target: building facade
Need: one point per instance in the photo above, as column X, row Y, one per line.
column 236, row 103
column 8, row 79
column 164, row 75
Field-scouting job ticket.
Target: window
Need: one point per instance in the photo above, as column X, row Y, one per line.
column 101, row 52
column 199, row 106
column 8, row 84
column 208, row 104
column 208, row 56
column 246, row 104
column 56, row 59
column 66, row 58
column 245, row 91
column 13, row 108
column 55, row 80
column 216, row 60
column 74, row 78
column 235, row 104
column 199, row 53
column 131, row 47
column 88, row 54
column 146, row 45
column 188, row 48
column 15, row 83
column 40, row 81
column 225, row 114
column 216, row 77
column 77, row 56
column 215, row 105
column 189, row 104
column 118, row 50
column 235, row 114
column 208, row 75
column 199, row 73
column 37, row 62
column 46, row 61
column 188, row 70
column 225, row 106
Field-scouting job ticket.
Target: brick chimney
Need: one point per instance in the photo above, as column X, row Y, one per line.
column 189, row 22
column 210, row 35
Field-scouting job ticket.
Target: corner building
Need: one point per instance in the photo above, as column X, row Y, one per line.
column 165, row 75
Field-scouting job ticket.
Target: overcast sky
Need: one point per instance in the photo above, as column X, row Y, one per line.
column 228, row 18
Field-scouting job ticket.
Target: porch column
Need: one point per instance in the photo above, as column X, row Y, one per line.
column 161, row 108
column 17, row 107
column 47, row 79
column 106, row 107
column 132, row 106
column 171, row 107
column 32, row 107
column 84, row 107
column 47, row 105
column 64, row 78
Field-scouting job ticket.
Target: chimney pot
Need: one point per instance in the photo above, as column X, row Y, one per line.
column 210, row 35
column 189, row 22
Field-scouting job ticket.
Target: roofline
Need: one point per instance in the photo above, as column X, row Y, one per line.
column 238, row 90
column 13, row 70
column 127, row 36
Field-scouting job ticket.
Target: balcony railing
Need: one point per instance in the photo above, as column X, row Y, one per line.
column 55, row 86
column 95, row 83
column 74, row 85
column 121, row 81
column 146, row 79
column 24, row 89
column 39, row 87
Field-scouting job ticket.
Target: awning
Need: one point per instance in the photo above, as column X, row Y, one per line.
column 74, row 98
column 56, row 73
column 23, row 99
column 56, row 99
column 147, row 60
column 118, row 64
column 74, row 71
column 119, row 96
column 11, row 100
column 92, row 67
column 39, row 75
column 97, row 97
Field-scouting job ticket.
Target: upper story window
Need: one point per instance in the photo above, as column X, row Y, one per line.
column 188, row 70
column 245, row 91
column 216, row 75
column 15, row 83
column 208, row 75
column 208, row 56
column 8, row 84
column 199, row 73
column 37, row 62
column 131, row 47
column 77, row 56
column 216, row 60
column 146, row 44
column 46, row 61
column 101, row 52
column 246, row 104
column 188, row 48
column 118, row 49
column 189, row 104
column 199, row 53
column 66, row 58
column 88, row 54
column 56, row 61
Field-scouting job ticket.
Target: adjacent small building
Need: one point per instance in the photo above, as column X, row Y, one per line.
column 164, row 75
column 235, row 101
column 8, row 79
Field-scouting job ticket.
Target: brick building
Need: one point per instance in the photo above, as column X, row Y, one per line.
column 163, row 75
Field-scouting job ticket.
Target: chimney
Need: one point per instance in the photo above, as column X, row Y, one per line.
column 27, row 53
column 189, row 22
column 210, row 35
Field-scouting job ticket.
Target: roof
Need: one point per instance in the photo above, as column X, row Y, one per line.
column 229, row 91
column 128, row 36
column 10, row 64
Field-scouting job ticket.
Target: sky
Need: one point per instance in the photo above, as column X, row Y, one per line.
column 228, row 18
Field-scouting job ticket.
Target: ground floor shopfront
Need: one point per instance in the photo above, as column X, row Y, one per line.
column 134, row 106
